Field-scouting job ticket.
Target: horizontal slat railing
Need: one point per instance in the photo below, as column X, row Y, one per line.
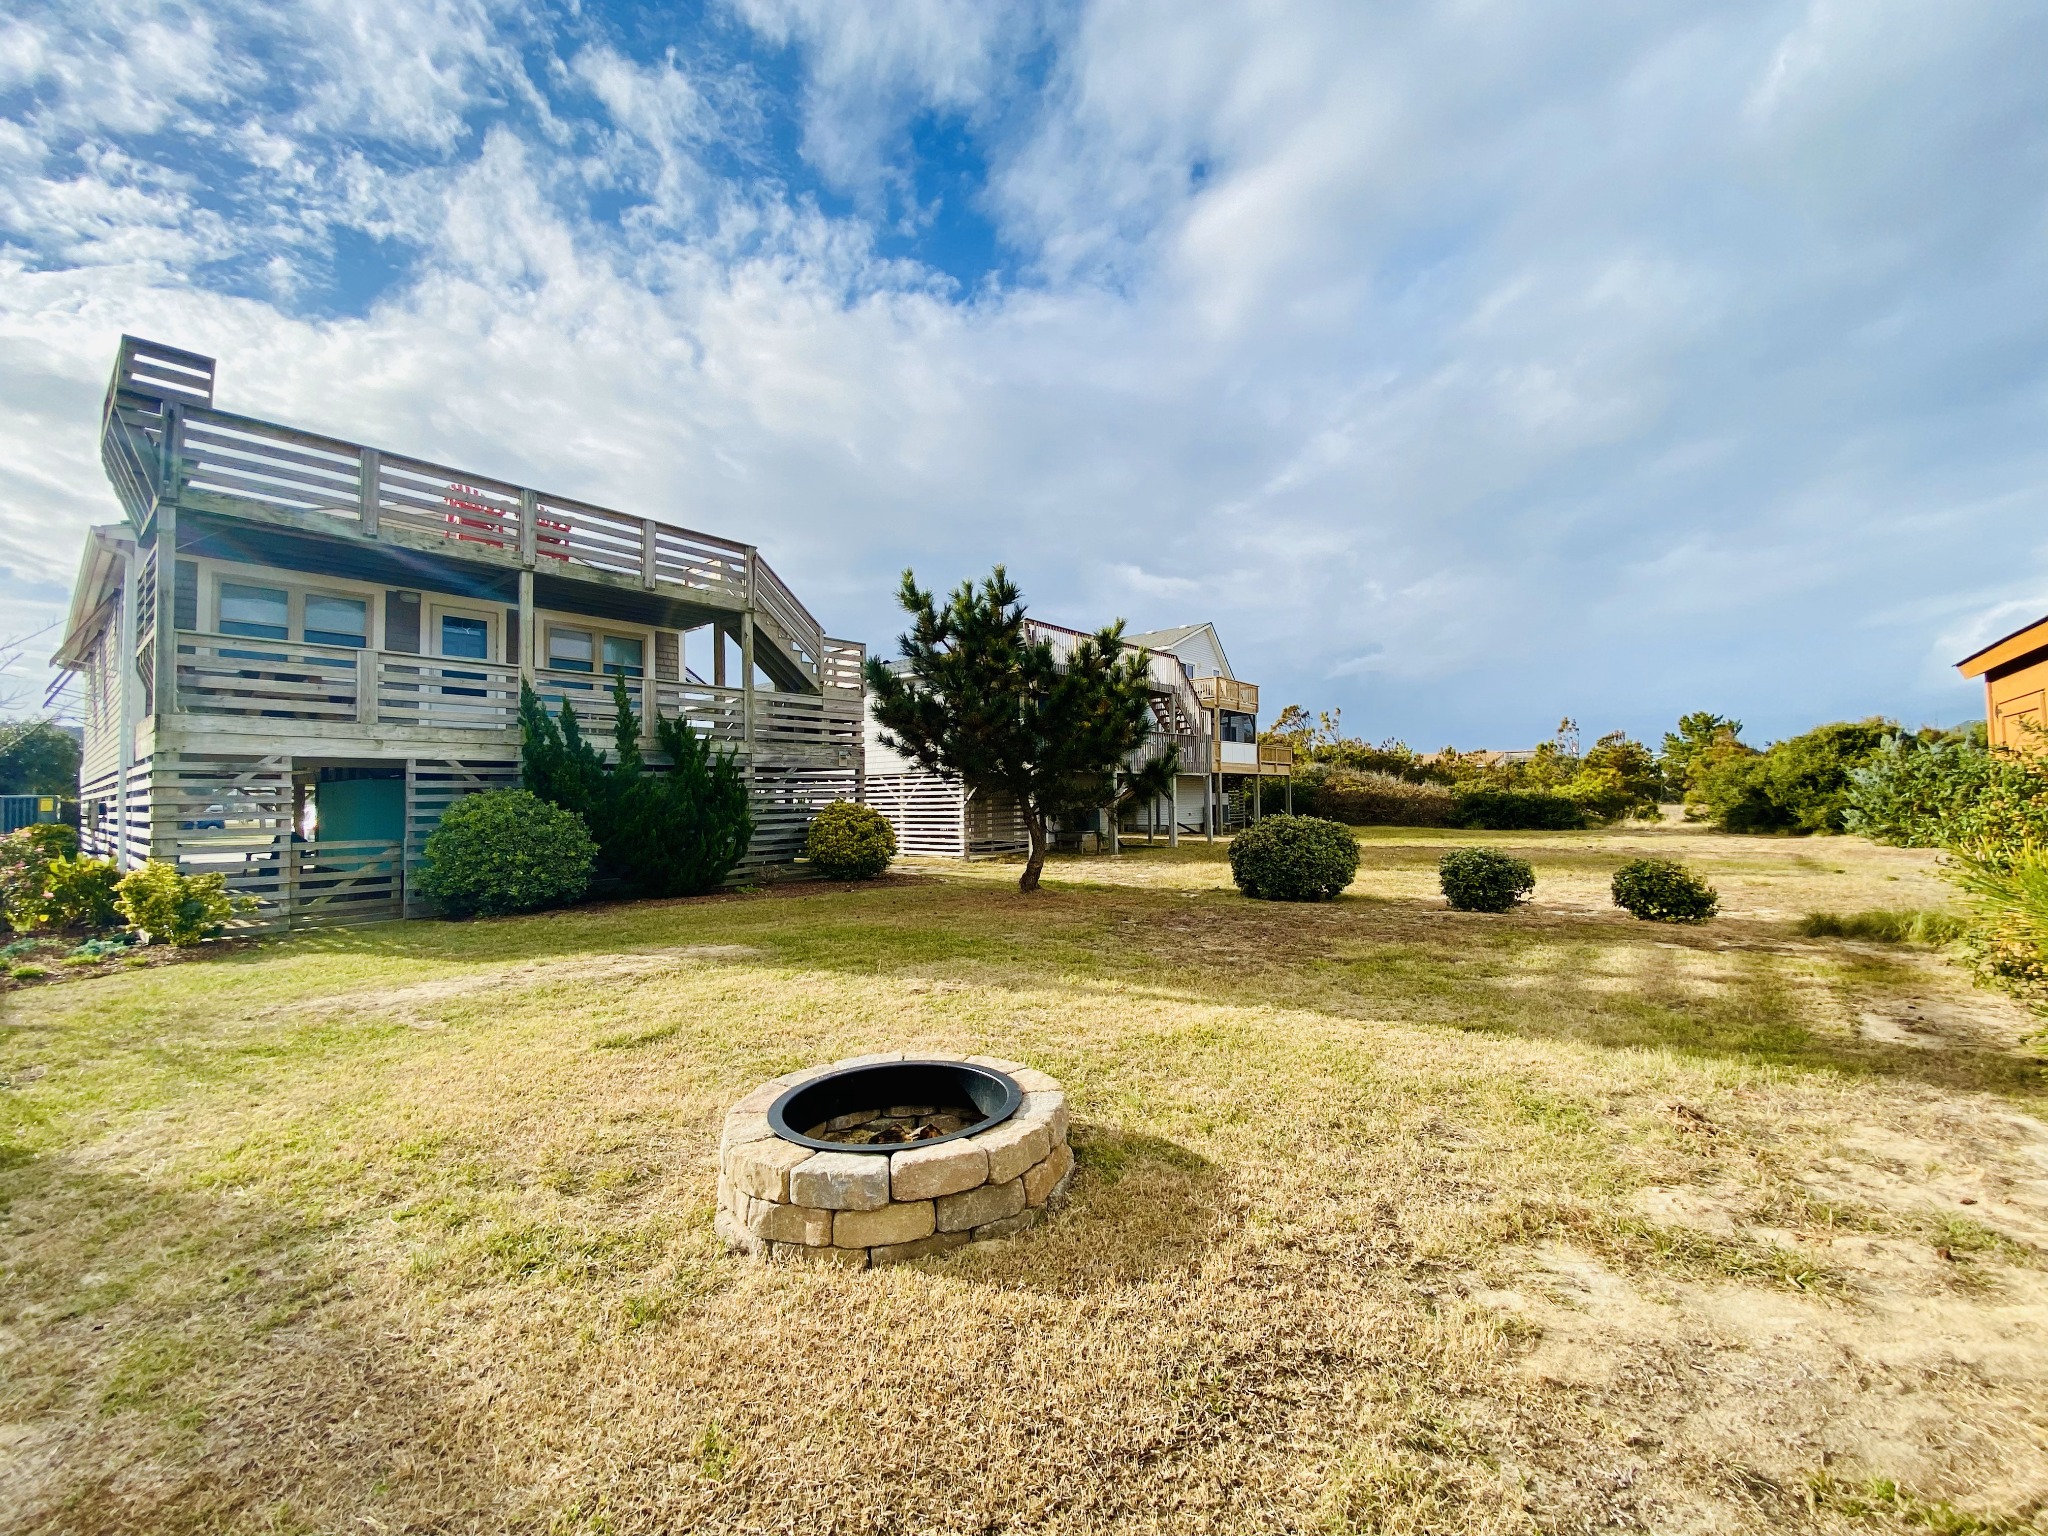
column 432, row 693
column 592, row 536
column 231, row 675
column 467, row 509
column 845, row 666
column 699, row 562
column 799, row 719
column 802, row 634
column 274, row 466
column 345, row 881
column 717, row 712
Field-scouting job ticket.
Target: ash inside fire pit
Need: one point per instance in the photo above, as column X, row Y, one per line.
column 894, row 1126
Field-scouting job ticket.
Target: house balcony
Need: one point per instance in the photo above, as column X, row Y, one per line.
column 1227, row 693
column 245, row 686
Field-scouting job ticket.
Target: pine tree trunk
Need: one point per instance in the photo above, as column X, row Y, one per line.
column 1028, row 881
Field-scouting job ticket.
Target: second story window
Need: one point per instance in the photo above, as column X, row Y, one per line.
column 467, row 638
column 336, row 620
column 622, row 655
column 263, row 613
column 571, row 650
column 1238, row 726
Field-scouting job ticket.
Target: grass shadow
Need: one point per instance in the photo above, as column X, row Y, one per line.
column 1138, row 1207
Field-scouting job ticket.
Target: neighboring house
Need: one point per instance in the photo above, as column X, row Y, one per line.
column 298, row 651
column 2015, row 673
column 1197, row 706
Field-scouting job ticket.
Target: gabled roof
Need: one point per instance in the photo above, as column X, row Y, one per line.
column 2015, row 645
column 108, row 548
column 1189, row 636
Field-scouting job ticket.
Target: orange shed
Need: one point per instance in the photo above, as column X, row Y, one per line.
column 2015, row 673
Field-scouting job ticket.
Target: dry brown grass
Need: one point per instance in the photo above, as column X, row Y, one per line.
column 1389, row 1219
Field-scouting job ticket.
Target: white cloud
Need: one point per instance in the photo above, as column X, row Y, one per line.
column 1471, row 365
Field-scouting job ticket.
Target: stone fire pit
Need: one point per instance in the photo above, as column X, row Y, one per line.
column 882, row 1158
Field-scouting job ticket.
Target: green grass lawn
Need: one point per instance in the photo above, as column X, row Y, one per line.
column 1388, row 1218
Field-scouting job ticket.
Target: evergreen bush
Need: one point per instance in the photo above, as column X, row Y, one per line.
column 1517, row 810
column 1369, row 798
column 1664, row 891
column 1484, row 879
column 1293, row 858
column 176, row 908
column 678, row 833
column 850, row 842
column 505, row 851
column 79, row 893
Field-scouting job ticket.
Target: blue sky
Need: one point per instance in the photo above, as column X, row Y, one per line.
column 1470, row 364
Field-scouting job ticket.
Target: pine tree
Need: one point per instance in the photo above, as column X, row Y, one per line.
column 982, row 700
column 658, row 834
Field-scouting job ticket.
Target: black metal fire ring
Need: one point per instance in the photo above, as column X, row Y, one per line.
column 879, row 1084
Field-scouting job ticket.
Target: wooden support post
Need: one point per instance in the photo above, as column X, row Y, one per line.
column 1173, row 813
column 717, row 654
column 369, row 473
column 164, row 665
column 647, row 554
column 131, row 596
column 747, row 657
column 1258, row 782
column 1115, row 838
column 1209, row 806
column 529, row 640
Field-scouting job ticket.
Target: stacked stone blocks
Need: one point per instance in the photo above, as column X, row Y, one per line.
column 781, row 1200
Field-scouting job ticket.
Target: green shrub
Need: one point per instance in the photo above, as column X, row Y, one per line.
column 1911, row 790
column 504, row 851
column 175, row 908
column 1801, row 784
column 29, row 972
column 1885, row 927
column 1368, row 798
column 1517, row 810
column 79, row 893
column 25, row 858
column 678, row 833
column 1293, row 858
column 1484, row 879
column 850, row 842
column 1664, row 891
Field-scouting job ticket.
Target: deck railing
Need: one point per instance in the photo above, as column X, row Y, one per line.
column 287, row 680
column 1228, row 693
column 162, row 438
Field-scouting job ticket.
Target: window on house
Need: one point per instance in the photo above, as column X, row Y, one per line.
column 1236, row 725
column 465, row 637
column 263, row 613
column 336, row 620
column 622, row 655
column 571, row 650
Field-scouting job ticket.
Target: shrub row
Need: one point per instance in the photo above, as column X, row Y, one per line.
column 45, row 885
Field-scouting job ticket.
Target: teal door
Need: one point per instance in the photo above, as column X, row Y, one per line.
column 361, row 810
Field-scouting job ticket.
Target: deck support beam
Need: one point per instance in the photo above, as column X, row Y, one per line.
column 131, row 595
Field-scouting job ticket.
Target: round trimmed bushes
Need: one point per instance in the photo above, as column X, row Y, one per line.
column 850, row 842
column 1293, row 858
column 1484, row 879
column 505, row 851
column 1664, row 891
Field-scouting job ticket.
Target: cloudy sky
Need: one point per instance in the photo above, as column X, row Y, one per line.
column 1470, row 363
